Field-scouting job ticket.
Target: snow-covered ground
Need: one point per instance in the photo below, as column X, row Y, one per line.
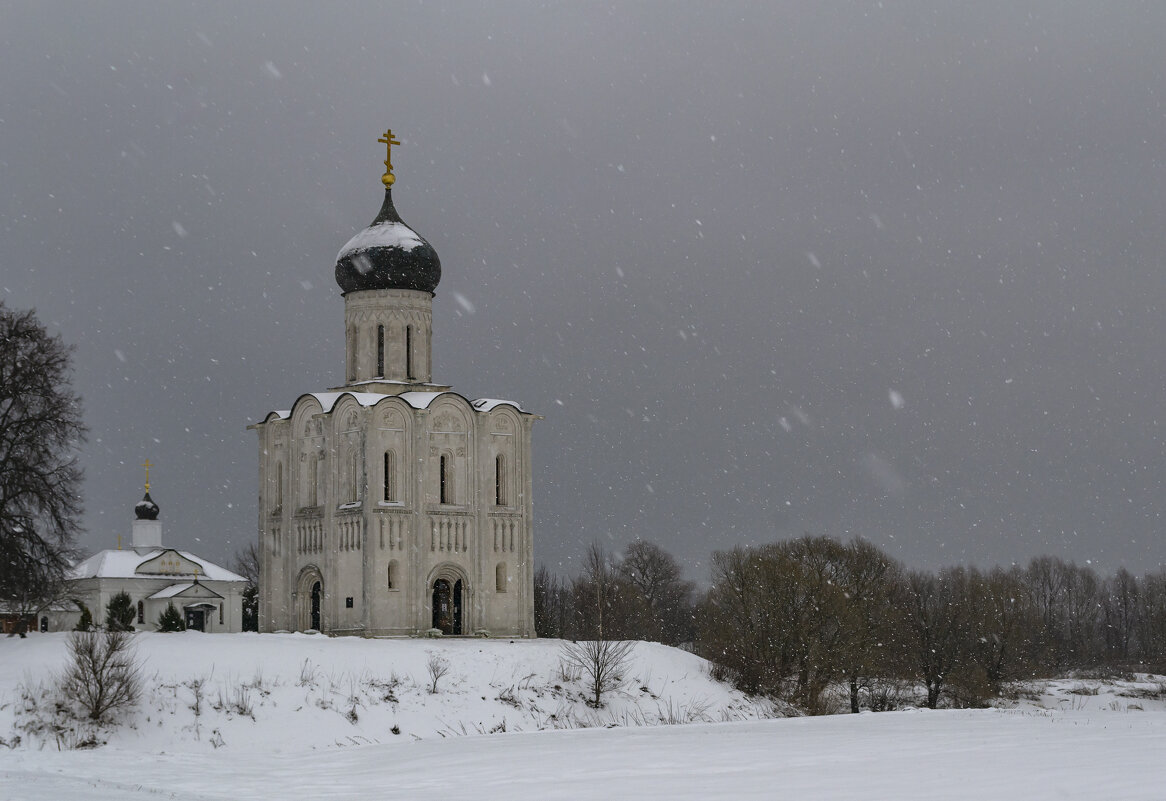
column 276, row 721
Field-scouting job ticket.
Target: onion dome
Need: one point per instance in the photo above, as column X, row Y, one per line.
column 387, row 255
column 146, row 509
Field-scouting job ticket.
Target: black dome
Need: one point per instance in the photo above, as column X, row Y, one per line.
column 146, row 509
column 387, row 255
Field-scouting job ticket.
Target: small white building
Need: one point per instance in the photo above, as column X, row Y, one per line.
column 209, row 597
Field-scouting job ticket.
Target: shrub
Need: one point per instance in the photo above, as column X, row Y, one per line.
column 171, row 619
column 120, row 613
column 602, row 662
column 86, row 621
column 102, row 676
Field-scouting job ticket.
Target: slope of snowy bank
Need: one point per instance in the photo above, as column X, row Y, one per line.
column 288, row 692
column 290, row 716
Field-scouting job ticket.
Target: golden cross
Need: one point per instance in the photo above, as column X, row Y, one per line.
column 388, row 179
column 146, row 464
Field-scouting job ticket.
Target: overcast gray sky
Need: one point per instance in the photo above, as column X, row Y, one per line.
column 889, row 269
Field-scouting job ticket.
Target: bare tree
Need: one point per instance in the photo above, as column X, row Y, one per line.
column 437, row 666
column 553, row 607
column 247, row 565
column 660, row 595
column 603, row 662
column 102, row 676
column 40, row 428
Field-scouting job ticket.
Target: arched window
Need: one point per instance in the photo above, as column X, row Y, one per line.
column 499, row 480
column 352, row 353
column 500, row 577
column 354, row 477
column 443, row 467
column 409, row 352
column 392, row 576
column 380, row 350
column 141, row 612
column 390, row 477
column 313, row 479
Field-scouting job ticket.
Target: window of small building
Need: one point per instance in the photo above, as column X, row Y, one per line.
column 500, row 577
column 141, row 612
column 392, row 575
column 220, row 614
column 348, row 602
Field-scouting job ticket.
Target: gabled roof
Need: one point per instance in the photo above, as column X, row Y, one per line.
column 185, row 590
column 125, row 564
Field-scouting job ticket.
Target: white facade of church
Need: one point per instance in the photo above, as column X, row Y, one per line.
column 392, row 505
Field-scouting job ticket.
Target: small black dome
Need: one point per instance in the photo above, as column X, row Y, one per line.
column 387, row 255
column 146, row 509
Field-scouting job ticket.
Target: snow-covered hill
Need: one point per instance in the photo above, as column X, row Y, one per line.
column 286, row 692
column 291, row 716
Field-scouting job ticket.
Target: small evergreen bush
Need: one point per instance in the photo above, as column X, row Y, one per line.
column 171, row 619
column 86, row 621
column 119, row 615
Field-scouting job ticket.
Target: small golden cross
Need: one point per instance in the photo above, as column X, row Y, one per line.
column 146, row 464
column 388, row 179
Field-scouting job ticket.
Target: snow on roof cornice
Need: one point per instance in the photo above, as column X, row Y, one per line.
column 418, row 400
column 124, row 564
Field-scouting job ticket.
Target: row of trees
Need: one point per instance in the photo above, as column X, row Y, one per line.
column 639, row 595
column 792, row 619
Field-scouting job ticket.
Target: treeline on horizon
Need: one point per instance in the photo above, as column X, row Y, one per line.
column 792, row 620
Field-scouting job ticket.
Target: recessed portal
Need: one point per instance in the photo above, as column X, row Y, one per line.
column 315, row 616
column 447, row 606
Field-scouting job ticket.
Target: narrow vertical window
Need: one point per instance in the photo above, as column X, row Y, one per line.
column 352, row 354
column 220, row 614
column 390, row 477
column 354, row 473
column 141, row 612
column 313, row 471
column 500, row 577
column 278, row 485
column 380, row 351
column 443, row 466
column 499, row 480
column 392, row 575
column 409, row 352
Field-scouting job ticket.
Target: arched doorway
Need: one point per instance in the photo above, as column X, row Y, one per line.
column 314, row 616
column 309, row 600
column 447, row 606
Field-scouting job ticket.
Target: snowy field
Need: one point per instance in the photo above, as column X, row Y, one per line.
column 283, row 716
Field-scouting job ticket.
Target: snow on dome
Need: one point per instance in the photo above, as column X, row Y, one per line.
column 384, row 235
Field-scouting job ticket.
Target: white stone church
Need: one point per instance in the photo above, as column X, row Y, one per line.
column 392, row 505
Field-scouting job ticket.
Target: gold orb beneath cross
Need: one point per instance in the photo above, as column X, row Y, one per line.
column 387, row 179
